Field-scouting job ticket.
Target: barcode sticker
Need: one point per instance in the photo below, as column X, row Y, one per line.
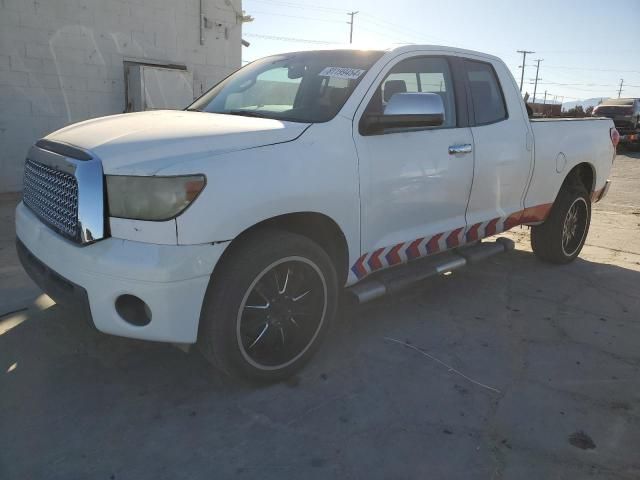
column 342, row 72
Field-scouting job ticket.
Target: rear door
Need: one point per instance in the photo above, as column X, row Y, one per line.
column 503, row 146
column 413, row 192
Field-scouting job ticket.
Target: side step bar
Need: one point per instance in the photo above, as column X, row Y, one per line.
column 396, row 279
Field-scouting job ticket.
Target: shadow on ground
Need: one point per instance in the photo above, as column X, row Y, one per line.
column 559, row 343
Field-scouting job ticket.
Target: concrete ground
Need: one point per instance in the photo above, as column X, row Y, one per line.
column 551, row 386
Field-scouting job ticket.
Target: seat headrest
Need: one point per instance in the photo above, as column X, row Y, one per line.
column 391, row 87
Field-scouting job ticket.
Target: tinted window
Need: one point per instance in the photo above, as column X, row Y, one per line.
column 299, row 87
column 486, row 95
column 418, row 75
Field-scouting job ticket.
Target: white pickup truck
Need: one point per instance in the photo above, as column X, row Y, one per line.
column 234, row 224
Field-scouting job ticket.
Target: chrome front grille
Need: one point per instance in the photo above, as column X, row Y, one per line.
column 64, row 187
column 53, row 196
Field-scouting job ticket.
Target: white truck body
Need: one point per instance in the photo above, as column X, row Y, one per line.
column 393, row 197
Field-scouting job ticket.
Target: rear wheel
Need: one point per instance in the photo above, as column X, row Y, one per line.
column 561, row 237
column 268, row 306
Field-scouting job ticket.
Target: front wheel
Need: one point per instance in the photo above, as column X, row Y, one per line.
column 561, row 237
column 268, row 306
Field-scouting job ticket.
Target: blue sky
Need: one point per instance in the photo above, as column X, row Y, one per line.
column 587, row 46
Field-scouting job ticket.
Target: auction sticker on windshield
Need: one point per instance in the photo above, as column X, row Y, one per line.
column 342, row 72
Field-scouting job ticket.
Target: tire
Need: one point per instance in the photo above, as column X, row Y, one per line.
column 248, row 325
column 551, row 241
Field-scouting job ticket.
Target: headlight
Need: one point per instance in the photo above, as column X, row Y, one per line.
column 151, row 198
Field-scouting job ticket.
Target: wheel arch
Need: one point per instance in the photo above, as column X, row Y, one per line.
column 584, row 174
column 317, row 227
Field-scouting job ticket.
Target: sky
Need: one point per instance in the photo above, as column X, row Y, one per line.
column 586, row 46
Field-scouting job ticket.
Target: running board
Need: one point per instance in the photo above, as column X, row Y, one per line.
column 399, row 278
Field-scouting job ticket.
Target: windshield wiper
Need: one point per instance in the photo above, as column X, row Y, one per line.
column 246, row 113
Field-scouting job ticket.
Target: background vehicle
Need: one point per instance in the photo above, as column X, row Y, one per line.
column 625, row 113
column 235, row 223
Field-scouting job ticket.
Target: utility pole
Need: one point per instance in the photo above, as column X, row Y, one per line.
column 545, row 98
column 351, row 14
column 620, row 89
column 535, row 88
column 524, row 59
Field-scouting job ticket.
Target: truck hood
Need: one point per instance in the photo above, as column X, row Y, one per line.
column 144, row 143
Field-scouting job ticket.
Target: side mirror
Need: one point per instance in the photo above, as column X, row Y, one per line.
column 406, row 110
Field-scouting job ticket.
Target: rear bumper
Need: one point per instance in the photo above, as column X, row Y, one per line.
column 170, row 279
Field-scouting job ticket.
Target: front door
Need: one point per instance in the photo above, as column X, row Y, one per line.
column 414, row 193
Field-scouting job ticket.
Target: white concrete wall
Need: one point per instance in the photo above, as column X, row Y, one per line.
column 61, row 61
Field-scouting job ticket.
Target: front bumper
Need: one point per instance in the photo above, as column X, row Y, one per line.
column 600, row 194
column 170, row 279
column 60, row 289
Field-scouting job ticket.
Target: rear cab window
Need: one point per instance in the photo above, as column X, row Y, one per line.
column 487, row 99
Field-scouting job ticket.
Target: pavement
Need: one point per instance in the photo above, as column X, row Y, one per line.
column 515, row 370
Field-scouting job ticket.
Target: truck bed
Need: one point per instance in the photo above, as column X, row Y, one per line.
column 564, row 142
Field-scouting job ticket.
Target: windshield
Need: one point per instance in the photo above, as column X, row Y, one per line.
column 308, row 87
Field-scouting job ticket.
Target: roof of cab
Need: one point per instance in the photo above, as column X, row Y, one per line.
column 440, row 48
column 399, row 49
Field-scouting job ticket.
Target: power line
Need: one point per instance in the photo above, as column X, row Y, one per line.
column 295, row 16
column 282, row 3
column 582, row 84
column 399, row 28
column 590, row 52
column 569, row 77
column 384, row 25
column 384, row 34
column 401, row 32
column 288, row 39
column 586, row 90
column 592, row 69
column 384, row 31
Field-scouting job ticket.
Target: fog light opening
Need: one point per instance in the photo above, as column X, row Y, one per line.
column 133, row 310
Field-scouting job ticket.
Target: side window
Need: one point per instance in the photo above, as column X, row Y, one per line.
column 418, row 75
column 486, row 95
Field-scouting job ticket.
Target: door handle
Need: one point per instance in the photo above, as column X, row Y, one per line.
column 465, row 148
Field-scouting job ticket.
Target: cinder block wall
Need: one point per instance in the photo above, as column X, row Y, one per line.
column 61, row 61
